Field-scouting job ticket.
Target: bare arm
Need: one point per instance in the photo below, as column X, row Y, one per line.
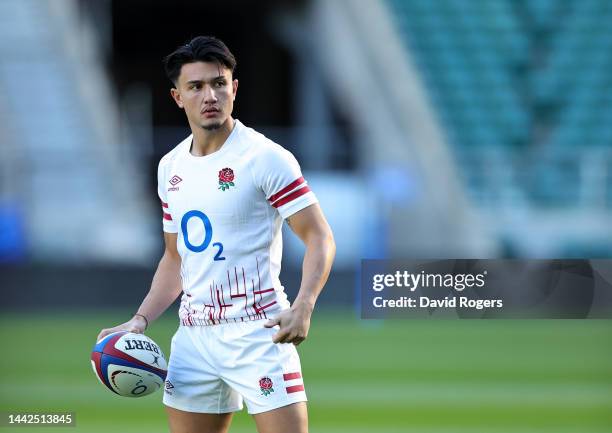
column 312, row 228
column 165, row 288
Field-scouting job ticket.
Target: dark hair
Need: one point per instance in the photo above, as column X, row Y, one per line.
column 199, row 49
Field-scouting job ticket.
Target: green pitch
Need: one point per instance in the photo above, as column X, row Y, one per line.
column 361, row 376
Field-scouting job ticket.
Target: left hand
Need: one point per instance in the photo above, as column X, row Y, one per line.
column 294, row 324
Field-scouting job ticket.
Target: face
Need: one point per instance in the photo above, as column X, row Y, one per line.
column 206, row 91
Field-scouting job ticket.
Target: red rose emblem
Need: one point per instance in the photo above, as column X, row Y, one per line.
column 265, row 383
column 226, row 178
column 226, row 175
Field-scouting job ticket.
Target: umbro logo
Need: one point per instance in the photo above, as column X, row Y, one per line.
column 168, row 386
column 174, row 181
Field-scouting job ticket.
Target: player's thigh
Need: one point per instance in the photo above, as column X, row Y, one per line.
column 191, row 422
column 292, row 418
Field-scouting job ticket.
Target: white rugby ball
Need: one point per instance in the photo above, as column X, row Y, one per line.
column 129, row 364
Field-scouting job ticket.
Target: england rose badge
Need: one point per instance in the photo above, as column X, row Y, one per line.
column 226, row 178
column 265, row 383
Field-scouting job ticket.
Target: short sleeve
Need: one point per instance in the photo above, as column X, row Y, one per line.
column 169, row 224
column 282, row 182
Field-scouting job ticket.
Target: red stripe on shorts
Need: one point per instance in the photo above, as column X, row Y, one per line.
column 291, row 376
column 295, row 388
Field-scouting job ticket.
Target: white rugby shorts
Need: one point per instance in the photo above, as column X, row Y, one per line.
column 213, row 368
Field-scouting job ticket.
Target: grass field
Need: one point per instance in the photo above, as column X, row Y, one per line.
column 361, row 376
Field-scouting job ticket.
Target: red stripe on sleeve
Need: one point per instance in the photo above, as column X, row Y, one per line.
column 286, row 189
column 291, row 376
column 164, row 204
column 295, row 194
column 167, row 216
column 295, row 388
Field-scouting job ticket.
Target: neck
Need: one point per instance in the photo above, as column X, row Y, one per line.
column 206, row 142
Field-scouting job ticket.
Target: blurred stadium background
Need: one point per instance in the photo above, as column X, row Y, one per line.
column 427, row 128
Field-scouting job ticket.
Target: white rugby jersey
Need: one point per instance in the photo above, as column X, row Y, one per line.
column 228, row 209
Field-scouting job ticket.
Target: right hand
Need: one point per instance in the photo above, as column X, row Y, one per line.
column 136, row 324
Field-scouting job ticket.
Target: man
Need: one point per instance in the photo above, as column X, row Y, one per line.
column 225, row 191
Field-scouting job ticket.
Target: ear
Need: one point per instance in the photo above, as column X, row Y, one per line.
column 234, row 88
column 176, row 95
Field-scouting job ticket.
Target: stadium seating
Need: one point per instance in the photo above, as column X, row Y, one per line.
column 70, row 174
column 528, row 80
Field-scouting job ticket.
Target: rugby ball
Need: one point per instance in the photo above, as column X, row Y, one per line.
column 129, row 364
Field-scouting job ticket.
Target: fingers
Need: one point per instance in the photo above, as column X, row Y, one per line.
column 280, row 336
column 272, row 322
column 128, row 326
column 106, row 332
column 135, row 328
column 291, row 330
column 286, row 336
column 297, row 340
column 103, row 334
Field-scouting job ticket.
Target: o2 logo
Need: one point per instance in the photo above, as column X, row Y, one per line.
column 208, row 232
